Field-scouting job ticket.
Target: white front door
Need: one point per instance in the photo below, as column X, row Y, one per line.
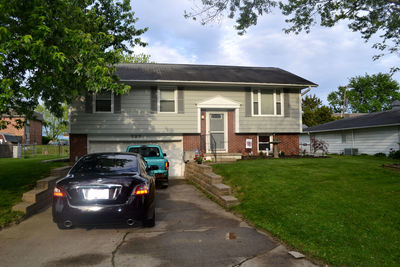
column 217, row 134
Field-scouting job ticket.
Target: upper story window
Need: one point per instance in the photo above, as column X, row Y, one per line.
column 267, row 102
column 167, row 99
column 103, row 102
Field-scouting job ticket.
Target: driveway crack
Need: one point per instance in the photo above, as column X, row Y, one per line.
column 117, row 248
column 243, row 261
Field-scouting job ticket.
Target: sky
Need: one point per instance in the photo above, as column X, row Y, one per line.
column 325, row 56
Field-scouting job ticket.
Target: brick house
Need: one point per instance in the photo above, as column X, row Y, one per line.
column 227, row 110
column 30, row 133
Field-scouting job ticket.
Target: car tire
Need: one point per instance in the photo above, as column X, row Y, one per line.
column 150, row 222
column 61, row 226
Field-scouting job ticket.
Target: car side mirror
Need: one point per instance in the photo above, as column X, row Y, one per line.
column 165, row 154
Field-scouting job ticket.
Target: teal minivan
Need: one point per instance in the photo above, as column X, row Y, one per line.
column 158, row 165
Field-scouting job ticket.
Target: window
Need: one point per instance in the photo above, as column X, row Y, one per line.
column 263, row 143
column 103, row 102
column 267, row 102
column 167, row 100
column 343, row 137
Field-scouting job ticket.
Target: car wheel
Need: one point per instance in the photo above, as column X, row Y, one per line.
column 150, row 222
column 62, row 226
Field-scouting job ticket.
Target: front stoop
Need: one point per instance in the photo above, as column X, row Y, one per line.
column 40, row 197
column 211, row 183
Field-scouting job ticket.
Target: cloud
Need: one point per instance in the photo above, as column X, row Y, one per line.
column 327, row 56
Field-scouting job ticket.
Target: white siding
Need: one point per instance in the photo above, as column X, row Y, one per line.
column 367, row 141
column 136, row 116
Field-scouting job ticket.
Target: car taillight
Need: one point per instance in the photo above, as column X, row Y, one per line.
column 166, row 165
column 141, row 190
column 59, row 192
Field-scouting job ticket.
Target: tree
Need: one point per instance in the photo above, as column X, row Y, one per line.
column 138, row 58
column 369, row 17
column 54, row 126
column 314, row 112
column 58, row 50
column 365, row 94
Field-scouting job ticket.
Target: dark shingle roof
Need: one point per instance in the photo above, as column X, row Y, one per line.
column 384, row 118
column 208, row 73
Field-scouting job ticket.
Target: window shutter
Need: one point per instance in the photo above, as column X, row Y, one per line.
column 153, row 100
column 88, row 103
column 286, row 103
column 248, row 102
column 181, row 107
column 117, row 104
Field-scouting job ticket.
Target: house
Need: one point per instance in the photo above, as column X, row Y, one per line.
column 228, row 110
column 377, row 132
column 30, row 133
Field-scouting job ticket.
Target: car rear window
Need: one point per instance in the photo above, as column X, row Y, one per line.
column 146, row 151
column 105, row 163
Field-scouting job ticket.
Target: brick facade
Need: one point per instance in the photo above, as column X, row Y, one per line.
column 78, row 146
column 35, row 130
column 191, row 142
column 237, row 142
column 289, row 143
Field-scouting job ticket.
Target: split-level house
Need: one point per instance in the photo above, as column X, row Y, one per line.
column 229, row 111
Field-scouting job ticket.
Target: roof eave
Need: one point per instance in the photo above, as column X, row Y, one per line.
column 351, row 128
column 219, row 83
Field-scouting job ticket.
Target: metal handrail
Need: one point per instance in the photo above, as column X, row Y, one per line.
column 213, row 147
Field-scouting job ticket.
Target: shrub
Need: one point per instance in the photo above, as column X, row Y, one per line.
column 317, row 144
column 394, row 154
column 380, row 155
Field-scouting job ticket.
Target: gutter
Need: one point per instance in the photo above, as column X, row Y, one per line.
column 220, row 83
column 352, row 128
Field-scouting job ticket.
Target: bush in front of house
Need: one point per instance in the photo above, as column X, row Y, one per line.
column 394, row 154
column 380, row 155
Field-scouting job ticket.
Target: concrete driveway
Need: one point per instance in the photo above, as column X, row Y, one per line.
column 190, row 230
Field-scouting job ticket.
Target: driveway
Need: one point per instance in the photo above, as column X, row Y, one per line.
column 190, row 230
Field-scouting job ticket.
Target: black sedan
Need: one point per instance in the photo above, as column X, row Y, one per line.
column 105, row 188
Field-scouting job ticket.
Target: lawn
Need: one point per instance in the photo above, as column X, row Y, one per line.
column 343, row 210
column 16, row 177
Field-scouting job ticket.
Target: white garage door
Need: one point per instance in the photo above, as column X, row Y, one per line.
column 174, row 151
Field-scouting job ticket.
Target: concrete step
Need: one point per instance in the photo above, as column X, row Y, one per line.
column 221, row 189
column 229, row 200
column 60, row 172
column 36, row 195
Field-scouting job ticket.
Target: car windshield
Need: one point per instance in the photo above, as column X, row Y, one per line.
column 146, row 151
column 107, row 163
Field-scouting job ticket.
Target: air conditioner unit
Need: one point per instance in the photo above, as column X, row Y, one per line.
column 350, row 151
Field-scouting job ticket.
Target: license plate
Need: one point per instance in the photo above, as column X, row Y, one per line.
column 91, row 194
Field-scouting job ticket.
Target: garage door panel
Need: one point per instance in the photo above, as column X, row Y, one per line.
column 174, row 151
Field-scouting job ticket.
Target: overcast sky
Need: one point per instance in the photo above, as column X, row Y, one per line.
column 326, row 56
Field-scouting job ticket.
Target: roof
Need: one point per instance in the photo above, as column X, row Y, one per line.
column 180, row 73
column 376, row 119
column 36, row 116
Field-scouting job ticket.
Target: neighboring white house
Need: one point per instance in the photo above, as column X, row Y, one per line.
column 372, row 133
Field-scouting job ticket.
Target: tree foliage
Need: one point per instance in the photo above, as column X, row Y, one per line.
column 314, row 112
column 368, row 17
column 365, row 94
column 57, row 50
column 54, row 126
column 136, row 58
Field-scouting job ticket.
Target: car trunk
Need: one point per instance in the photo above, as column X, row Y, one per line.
column 100, row 189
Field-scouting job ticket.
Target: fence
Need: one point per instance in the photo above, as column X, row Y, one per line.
column 28, row 151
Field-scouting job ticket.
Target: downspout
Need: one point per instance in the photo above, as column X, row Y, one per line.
column 352, row 139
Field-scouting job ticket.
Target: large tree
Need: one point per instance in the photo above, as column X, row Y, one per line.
column 379, row 18
column 54, row 126
column 57, row 50
column 365, row 94
column 314, row 112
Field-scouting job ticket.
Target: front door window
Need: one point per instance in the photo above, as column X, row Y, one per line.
column 217, row 130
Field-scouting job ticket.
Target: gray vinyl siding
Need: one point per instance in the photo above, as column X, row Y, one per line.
column 136, row 115
column 367, row 141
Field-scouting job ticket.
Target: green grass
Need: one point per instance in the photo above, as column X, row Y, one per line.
column 18, row 176
column 343, row 210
